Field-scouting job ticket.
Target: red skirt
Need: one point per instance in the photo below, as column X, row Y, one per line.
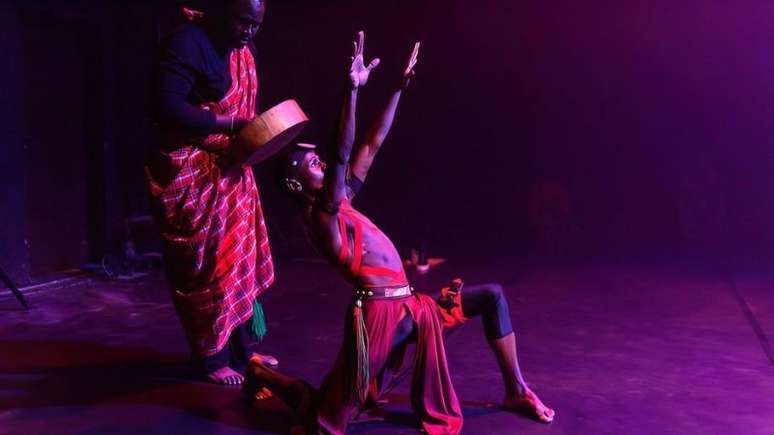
column 432, row 393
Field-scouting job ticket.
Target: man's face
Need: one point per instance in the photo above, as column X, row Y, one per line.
column 311, row 171
column 242, row 21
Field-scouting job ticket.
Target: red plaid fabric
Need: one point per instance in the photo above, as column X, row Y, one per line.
column 216, row 249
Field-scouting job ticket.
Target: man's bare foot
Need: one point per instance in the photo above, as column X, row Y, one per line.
column 225, row 376
column 529, row 403
column 266, row 360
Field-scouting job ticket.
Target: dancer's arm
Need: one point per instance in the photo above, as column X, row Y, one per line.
column 334, row 184
column 364, row 157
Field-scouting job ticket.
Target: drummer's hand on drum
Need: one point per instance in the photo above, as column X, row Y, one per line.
column 230, row 124
column 358, row 71
column 408, row 71
column 240, row 123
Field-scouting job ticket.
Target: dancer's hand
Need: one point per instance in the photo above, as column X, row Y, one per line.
column 408, row 72
column 358, row 72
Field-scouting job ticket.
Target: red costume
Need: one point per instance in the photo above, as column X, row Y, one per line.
column 216, row 249
column 344, row 389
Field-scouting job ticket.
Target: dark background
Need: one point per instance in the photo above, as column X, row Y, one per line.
column 655, row 119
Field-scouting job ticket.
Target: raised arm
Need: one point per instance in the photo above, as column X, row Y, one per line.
column 334, row 185
column 376, row 134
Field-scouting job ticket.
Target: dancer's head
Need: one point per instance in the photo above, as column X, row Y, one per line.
column 301, row 171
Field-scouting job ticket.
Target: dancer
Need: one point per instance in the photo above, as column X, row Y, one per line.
column 386, row 313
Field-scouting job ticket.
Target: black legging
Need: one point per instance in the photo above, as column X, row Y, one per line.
column 485, row 300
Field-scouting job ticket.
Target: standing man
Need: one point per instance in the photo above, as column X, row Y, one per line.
column 215, row 245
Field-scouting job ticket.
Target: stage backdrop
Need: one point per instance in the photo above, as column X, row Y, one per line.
column 600, row 127
column 558, row 127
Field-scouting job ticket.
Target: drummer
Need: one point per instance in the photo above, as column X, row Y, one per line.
column 206, row 203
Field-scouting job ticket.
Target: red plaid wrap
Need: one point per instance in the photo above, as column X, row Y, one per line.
column 216, row 249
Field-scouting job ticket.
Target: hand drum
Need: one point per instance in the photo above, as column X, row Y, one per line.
column 271, row 130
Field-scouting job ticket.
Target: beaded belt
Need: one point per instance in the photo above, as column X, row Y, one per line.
column 384, row 293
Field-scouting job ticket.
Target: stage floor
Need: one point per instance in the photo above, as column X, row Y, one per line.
column 614, row 349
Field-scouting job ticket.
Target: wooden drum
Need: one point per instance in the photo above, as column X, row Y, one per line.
column 271, row 130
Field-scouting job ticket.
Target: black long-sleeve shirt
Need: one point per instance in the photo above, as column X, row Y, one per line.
column 191, row 71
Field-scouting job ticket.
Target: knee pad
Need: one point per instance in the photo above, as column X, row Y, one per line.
column 498, row 323
column 494, row 294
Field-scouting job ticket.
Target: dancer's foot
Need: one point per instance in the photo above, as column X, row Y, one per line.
column 529, row 403
column 296, row 394
column 263, row 394
column 254, row 388
column 225, row 376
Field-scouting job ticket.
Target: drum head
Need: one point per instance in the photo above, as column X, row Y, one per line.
column 270, row 131
column 277, row 143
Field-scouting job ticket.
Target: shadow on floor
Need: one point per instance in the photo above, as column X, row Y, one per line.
column 41, row 374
